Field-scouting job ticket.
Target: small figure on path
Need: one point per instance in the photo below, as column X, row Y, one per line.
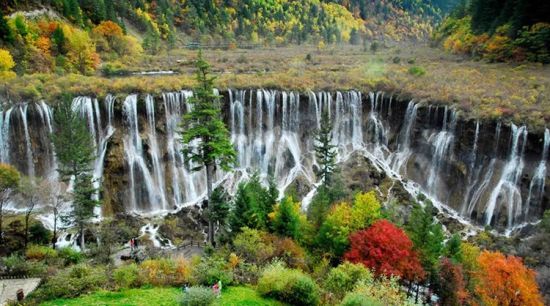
column 216, row 289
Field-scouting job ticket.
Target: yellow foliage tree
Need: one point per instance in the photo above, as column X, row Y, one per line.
column 6, row 60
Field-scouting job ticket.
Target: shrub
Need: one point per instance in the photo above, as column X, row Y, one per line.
column 212, row 269
column 417, row 71
column 198, row 296
column 288, row 285
column 345, row 277
column 374, row 293
column 165, row 272
column 72, row 282
column 126, row 276
column 70, row 256
column 250, row 245
column 18, row 266
column 357, row 299
column 157, row 272
column 38, row 252
column 39, row 234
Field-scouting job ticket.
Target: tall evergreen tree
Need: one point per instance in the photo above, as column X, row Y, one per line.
column 6, row 35
column 325, row 150
column 59, row 41
column 75, row 153
column 427, row 237
column 205, row 137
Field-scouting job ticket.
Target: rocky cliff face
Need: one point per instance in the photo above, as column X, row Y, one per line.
column 484, row 171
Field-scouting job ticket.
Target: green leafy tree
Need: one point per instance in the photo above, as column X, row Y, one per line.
column 9, row 180
column 287, row 219
column 205, row 137
column 344, row 219
column 75, row 153
column 151, row 42
column 427, row 237
column 325, row 150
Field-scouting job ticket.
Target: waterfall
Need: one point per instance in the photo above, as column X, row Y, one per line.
column 507, row 190
column 238, row 136
column 288, row 141
column 273, row 133
column 5, row 120
column 442, row 143
column 374, row 125
column 46, row 114
column 536, row 188
column 187, row 185
column 487, row 178
column 144, row 195
column 154, row 150
column 473, row 171
column 30, row 162
column 398, row 160
column 105, row 136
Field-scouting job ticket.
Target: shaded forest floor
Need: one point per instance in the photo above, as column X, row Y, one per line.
column 520, row 93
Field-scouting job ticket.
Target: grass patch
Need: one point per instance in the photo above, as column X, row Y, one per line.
column 236, row 296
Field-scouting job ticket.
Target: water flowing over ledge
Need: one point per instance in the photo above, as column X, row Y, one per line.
column 480, row 172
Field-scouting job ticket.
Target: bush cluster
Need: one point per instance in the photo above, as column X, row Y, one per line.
column 198, row 296
column 288, row 285
column 72, row 282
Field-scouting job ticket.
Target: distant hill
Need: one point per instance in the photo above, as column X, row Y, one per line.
column 508, row 30
column 276, row 21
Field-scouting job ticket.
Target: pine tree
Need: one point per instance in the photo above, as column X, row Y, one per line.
column 453, row 249
column 58, row 38
column 427, row 237
column 6, row 34
column 75, row 153
column 325, row 150
column 205, row 137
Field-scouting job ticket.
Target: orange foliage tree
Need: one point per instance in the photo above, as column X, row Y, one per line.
column 504, row 280
column 387, row 250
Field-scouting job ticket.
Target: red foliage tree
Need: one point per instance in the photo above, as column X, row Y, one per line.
column 387, row 250
column 452, row 287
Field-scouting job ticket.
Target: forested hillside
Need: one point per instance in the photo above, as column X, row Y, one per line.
column 74, row 35
column 511, row 30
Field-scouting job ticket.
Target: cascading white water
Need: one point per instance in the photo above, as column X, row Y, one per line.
column 5, row 125
column 480, row 188
column 398, row 160
column 144, row 194
column 187, row 186
column 154, row 150
column 473, row 171
column 507, row 191
column 442, row 142
column 536, row 188
column 30, row 161
column 273, row 133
